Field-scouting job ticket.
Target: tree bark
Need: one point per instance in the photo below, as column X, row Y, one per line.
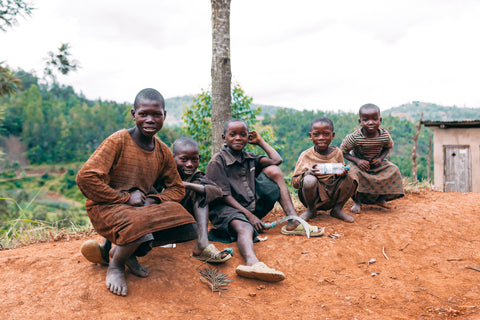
column 414, row 149
column 221, row 71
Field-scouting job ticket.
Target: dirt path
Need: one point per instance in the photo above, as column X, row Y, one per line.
column 428, row 238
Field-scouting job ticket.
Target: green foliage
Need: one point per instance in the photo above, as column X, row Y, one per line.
column 8, row 82
column 198, row 125
column 10, row 10
column 61, row 61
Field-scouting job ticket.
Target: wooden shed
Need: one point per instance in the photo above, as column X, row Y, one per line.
column 456, row 155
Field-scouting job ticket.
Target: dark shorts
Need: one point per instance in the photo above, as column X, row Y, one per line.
column 178, row 234
column 267, row 193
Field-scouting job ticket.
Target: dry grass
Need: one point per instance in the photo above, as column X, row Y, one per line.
column 415, row 187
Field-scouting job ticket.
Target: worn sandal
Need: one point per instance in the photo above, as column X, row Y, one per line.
column 260, row 271
column 300, row 231
column 211, row 254
column 93, row 252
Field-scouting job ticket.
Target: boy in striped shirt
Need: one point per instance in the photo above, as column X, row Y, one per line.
column 366, row 148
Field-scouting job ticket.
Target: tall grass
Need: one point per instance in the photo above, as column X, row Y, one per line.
column 24, row 231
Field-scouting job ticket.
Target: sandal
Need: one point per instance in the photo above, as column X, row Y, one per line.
column 211, row 254
column 93, row 252
column 300, row 231
column 260, row 271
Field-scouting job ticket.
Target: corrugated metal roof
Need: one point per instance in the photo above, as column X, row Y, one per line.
column 452, row 124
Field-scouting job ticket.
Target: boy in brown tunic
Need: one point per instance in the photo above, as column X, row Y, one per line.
column 116, row 180
column 319, row 191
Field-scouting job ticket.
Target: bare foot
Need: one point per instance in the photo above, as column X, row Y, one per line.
column 197, row 251
column 340, row 214
column 308, row 214
column 356, row 207
column 384, row 204
column 116, row 279
column 133, row 265
column 136, row 268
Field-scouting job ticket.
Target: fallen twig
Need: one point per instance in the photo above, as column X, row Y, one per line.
column 469, row 267
column 384, row 254
column 455, row 259
column 405, row 246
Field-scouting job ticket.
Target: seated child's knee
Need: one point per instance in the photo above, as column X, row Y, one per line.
column 309, row 181
column 273, row 171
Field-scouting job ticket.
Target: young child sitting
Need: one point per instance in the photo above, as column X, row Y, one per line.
column 319, row 191
column 199, row 193
column 378, row 179
column 251, row 185
column 116, row 180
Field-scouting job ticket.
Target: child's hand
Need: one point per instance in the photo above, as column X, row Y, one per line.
column 254, row 137
column 257, row 223
column 375, row 162
column 137, row 198
column 149, row 201
column 314, row 171
column 363, row 164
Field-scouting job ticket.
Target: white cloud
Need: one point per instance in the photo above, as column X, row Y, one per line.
column 310, row 54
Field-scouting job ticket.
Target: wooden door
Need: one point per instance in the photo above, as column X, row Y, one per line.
column 457, row 169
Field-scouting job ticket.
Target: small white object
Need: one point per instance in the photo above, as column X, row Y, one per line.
column 330, row 168
column 170, row 245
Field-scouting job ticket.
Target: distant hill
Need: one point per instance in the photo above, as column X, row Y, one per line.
column 176, row 106
column 433, row 112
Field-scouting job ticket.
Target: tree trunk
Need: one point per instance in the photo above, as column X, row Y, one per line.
column 221, row 71
column 414, row 150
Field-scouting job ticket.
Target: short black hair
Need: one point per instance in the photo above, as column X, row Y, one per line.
column 322, row 120
column 225, row 127
column 184, row 142
column 368, row 106
column 149, row 94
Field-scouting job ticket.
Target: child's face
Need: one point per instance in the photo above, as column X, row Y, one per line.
column 149, row 117
column 370, row 120
column 321, row 135
column 236, row 136
column 187, row 159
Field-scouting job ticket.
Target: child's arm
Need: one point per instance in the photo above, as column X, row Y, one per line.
column 362, row 164
column 273, row 157
column 377, row 161
column 198, row 188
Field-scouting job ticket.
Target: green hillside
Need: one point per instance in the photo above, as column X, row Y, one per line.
column 433, row 112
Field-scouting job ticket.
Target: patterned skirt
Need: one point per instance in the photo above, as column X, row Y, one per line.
column 384, row 180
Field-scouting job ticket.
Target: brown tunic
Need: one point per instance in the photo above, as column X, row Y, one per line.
column 118, row 166
column 331, row 190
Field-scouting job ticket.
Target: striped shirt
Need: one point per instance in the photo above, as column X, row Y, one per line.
column 366, row 148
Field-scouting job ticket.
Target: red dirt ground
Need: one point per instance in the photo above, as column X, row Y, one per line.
column 430, row 240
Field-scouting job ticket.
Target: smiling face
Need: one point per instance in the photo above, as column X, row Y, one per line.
column 187, row 158
column 370, row 121
column 149, row 117
column 321, row 134
column 236, row 135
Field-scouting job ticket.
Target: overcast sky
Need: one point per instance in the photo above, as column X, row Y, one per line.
column 304, row 54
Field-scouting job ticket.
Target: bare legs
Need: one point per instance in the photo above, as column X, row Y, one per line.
column 310, row 194
column 274, row 173
column 115, row 280
column 245, row 241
